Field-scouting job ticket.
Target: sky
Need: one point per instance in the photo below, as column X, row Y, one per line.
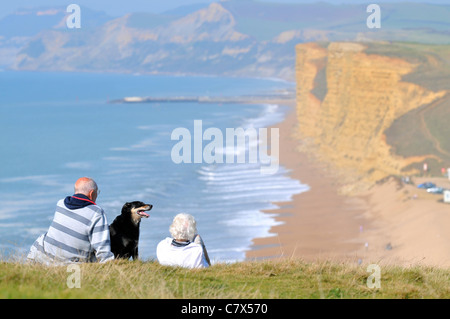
column 121, row 7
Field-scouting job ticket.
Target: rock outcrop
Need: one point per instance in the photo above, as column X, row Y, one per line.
column 346, row 99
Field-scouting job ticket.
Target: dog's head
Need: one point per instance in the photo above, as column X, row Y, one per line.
column 136, row 210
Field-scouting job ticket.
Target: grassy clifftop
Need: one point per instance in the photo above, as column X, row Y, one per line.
column 264, row 279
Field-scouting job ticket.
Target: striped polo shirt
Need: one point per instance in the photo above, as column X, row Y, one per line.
column 79, row 232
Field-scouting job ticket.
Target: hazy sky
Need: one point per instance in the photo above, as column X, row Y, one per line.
column 120, row 7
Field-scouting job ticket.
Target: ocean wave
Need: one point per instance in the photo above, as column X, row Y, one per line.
column 251, row 183
column 49, row 180
column 271, row 115
column 243, row 185
column 252, row 196
column 251, row 218
column 267, row 190
column 79, row 165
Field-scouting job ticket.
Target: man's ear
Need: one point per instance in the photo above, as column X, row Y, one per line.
column 91, row 194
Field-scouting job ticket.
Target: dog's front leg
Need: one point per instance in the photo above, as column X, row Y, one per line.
column 135, row 253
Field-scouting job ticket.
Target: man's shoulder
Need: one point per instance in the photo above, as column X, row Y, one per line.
column 95, row 209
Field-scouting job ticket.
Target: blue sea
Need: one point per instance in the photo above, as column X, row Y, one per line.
column 57, row 127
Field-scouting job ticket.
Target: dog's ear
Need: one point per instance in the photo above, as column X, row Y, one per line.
column 126, row 208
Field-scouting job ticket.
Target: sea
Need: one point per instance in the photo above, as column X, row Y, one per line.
column 57, row 127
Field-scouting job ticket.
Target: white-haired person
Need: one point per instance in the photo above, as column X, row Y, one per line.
column 185, row 248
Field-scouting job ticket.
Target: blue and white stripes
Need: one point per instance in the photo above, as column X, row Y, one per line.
column 75, row 235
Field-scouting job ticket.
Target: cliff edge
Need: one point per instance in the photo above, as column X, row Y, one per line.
column 348, row 97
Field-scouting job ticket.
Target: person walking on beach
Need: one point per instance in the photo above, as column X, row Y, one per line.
column 79, row 231
column 186, row 247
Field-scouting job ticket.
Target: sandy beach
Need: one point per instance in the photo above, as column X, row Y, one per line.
column 392, row 223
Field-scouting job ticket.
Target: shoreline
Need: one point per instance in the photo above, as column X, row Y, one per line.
column 316, row 224
column 392, row 223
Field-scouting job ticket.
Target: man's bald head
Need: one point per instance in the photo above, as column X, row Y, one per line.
column 85, row 186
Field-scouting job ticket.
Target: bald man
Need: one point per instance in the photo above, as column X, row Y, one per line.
column 79, row 231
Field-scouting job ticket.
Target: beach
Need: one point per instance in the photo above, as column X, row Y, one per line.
column 392, row 223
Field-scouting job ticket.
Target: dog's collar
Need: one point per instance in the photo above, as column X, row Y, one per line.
column 180, row 243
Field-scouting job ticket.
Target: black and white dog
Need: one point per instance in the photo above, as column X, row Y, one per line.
column 124, row 230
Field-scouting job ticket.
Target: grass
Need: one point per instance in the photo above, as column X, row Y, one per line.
column 287, row 279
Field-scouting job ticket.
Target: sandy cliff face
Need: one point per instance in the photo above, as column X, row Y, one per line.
column 346, row 99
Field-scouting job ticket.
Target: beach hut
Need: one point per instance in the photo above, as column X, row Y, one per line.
column 447, row 196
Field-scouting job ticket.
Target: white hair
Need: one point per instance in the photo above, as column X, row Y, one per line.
column 184, row 227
